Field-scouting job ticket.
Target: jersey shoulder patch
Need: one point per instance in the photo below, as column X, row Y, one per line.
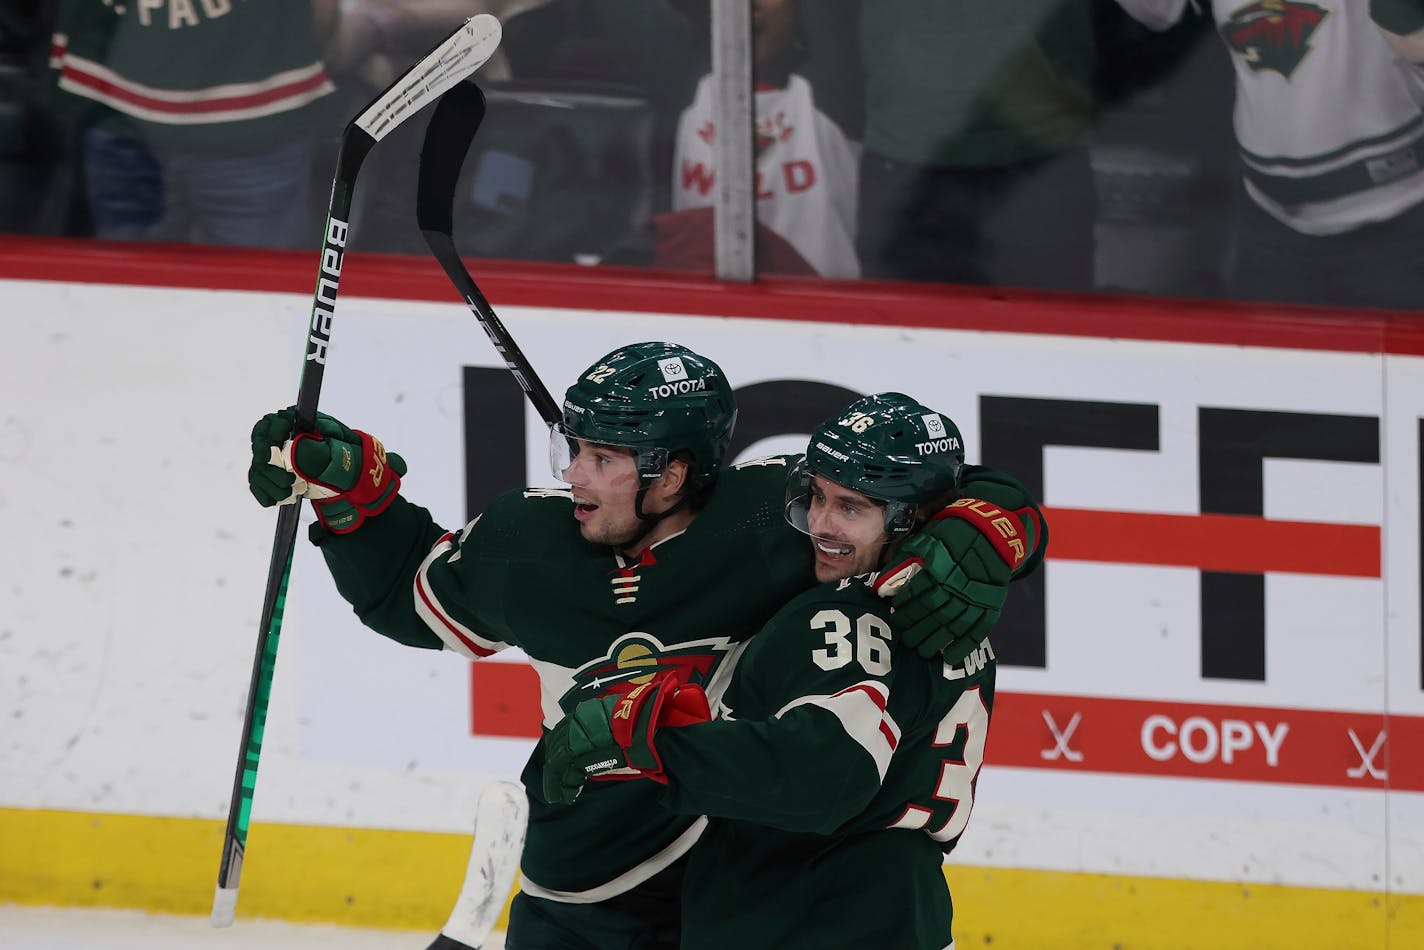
column 526, row 523
column 750, row 495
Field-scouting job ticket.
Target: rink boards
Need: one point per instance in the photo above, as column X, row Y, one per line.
column 1212, row 701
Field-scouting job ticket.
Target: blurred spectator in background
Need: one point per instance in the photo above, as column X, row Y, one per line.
column 975, row 168
column 32, row 139
column 369, row 43
column 197, row 119
column 1330, row 130
column 22, row 36
column 377, row 40
column 1402, row 22
column 1164, row 157
column 805, row 163
column 570, row 161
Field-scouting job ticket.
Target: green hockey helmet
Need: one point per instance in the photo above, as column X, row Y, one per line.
column 887, row 447
column 657, row 399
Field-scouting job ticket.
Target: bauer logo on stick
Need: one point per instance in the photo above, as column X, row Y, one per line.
column 324, row 304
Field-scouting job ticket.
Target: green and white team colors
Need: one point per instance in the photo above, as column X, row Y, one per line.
column 522, row 575
column 840, row 770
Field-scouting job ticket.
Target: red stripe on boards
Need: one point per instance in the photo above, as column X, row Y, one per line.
column 1095, row 734
column 504, row 701
column 1235, row 543
column 1201, row 740
column 512, row 283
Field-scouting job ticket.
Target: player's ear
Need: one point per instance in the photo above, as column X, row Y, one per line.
column 674, row 477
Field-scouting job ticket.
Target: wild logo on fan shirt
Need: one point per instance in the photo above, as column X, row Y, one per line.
column 797, row 175
column 1272, row 34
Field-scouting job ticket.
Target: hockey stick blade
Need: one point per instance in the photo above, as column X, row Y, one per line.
column 452, row 128
column 501, row 819
column 448, row 63
column 458, row 56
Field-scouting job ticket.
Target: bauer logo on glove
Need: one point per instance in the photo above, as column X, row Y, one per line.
column 1000, row 527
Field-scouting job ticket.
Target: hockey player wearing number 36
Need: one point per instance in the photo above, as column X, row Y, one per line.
column 838, row 755
column 655, row 559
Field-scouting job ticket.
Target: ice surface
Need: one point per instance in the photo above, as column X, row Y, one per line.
column 69, row 928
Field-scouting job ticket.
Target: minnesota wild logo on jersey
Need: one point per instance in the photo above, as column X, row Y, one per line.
column 1273, row 34
column 634, row 659
column 592, row 624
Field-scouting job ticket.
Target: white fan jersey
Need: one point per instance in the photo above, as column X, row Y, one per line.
column 1329, row 119
column 805, row 172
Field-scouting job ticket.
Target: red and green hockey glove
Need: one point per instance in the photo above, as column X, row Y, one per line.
column 612, row 738
column 346, row 473
column 950, row 579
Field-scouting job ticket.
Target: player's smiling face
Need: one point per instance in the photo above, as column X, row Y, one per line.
column 847, row 530
column 604, row 480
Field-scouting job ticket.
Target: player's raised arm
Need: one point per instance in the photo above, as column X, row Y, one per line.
column 372, row 538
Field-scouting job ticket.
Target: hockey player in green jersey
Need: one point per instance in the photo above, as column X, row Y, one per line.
column 656, row 558
column 842, row 766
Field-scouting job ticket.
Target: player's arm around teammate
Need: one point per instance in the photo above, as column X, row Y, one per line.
column 588, row 580
column 836, row 745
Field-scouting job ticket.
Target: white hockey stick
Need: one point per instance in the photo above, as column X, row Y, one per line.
column 459, row 55
column 501, row 819
column 442, row 69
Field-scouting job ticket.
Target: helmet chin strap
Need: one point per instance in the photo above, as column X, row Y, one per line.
column 650, row 520
column 888, row 549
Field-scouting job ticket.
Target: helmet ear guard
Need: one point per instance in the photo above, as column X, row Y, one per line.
column 899, row 517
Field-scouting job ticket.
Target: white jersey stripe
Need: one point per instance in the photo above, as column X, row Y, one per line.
column 554, row 682
column 451, row 632
column 281, row 92
column 861, row 712
column 629, row 879
column 913, row 819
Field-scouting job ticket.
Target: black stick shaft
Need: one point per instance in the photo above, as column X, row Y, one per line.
column 449, row 62
column 447, row 139
column 355, row 144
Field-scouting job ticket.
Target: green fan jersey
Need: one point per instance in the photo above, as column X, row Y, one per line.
column 839, row 771
column 522, row 575
column 210, row 76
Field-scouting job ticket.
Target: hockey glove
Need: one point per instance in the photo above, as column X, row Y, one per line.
column 950, row 579
column 346, row 473
column 612, row 738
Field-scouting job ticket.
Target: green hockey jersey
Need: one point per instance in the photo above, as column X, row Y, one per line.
column 840, row 769
column 218, row 75
column 521, row 575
